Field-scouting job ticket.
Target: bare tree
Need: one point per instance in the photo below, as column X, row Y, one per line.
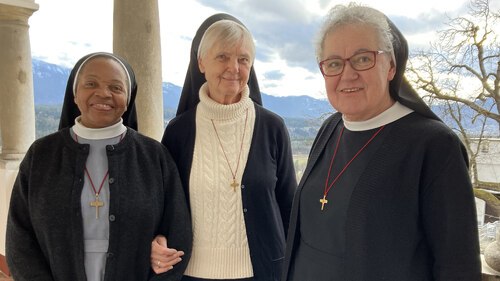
column 459, row 76
column 466, row 56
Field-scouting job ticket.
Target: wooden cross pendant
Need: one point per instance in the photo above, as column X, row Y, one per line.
column 234, row 184
column 96, row 204
column 323, row 202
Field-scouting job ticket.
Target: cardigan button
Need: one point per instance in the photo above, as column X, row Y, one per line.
column 112, row 218
column 242, row 186
column 110, row 255
column 245, row 210
column 111, row 180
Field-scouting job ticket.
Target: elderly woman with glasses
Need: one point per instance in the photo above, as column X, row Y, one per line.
column 386, row 194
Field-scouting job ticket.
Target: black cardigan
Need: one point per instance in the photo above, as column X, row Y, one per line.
column 412, row 213
column 268, row 184
column 44, row 227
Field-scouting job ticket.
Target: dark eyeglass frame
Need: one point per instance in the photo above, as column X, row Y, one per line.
column 375, row 53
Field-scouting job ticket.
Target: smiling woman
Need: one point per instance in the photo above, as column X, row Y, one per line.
column 71, row 216
column 235, row 161
column 226, row 57
column 116, row 86
column 386, row 188
column 102, row 92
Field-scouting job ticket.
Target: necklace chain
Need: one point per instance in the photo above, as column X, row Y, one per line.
column 234, row 184
column 323, row 200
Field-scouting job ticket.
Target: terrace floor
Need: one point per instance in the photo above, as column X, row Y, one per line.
column 4, row 278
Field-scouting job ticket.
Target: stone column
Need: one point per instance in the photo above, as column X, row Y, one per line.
column 17, row 109
column 136, row 37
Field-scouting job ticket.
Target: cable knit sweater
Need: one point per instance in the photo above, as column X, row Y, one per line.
column 220, row 246
column 266, row 186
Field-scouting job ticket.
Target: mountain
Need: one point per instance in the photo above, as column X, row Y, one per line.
column 302, row 114
column 296, row 106
column 49, row 81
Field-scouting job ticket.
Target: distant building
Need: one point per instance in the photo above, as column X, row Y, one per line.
column 488, row 162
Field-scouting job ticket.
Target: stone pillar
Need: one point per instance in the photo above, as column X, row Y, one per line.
column 17, row 109
column 8, row 173
column 136, row 37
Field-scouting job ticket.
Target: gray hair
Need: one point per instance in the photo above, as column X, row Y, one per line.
column 341, row 15
column 227, row 33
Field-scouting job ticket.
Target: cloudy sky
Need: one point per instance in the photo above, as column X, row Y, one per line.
column 283, row 30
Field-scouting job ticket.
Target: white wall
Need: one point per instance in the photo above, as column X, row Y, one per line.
column 488, row 172
column 488, row 159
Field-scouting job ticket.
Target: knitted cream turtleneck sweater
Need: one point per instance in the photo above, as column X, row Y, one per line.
column 220, row 246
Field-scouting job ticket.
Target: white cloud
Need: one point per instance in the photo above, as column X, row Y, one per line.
column 296, row 80
column 62, row 31
column 411, row 9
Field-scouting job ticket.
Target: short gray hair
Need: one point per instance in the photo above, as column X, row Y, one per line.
column 227, row 33
column 353, row 13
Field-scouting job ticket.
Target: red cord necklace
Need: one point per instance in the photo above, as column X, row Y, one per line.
column 323, row 200
column 96, row 203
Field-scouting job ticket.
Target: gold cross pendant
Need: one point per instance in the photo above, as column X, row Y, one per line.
column 323, row 202
column 96, row 204
column 234, row 184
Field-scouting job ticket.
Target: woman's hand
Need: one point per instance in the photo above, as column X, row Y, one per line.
column 163, row 258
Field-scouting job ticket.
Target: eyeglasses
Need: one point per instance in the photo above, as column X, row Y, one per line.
column 360, row 62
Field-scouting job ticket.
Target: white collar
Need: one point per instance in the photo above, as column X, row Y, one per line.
column 100, row 133
column 393, row 113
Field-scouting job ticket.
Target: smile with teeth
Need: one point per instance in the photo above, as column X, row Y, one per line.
column 350, row 90
column 102, row 106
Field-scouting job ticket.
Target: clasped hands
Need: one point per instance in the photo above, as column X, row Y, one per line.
column 163, row 258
